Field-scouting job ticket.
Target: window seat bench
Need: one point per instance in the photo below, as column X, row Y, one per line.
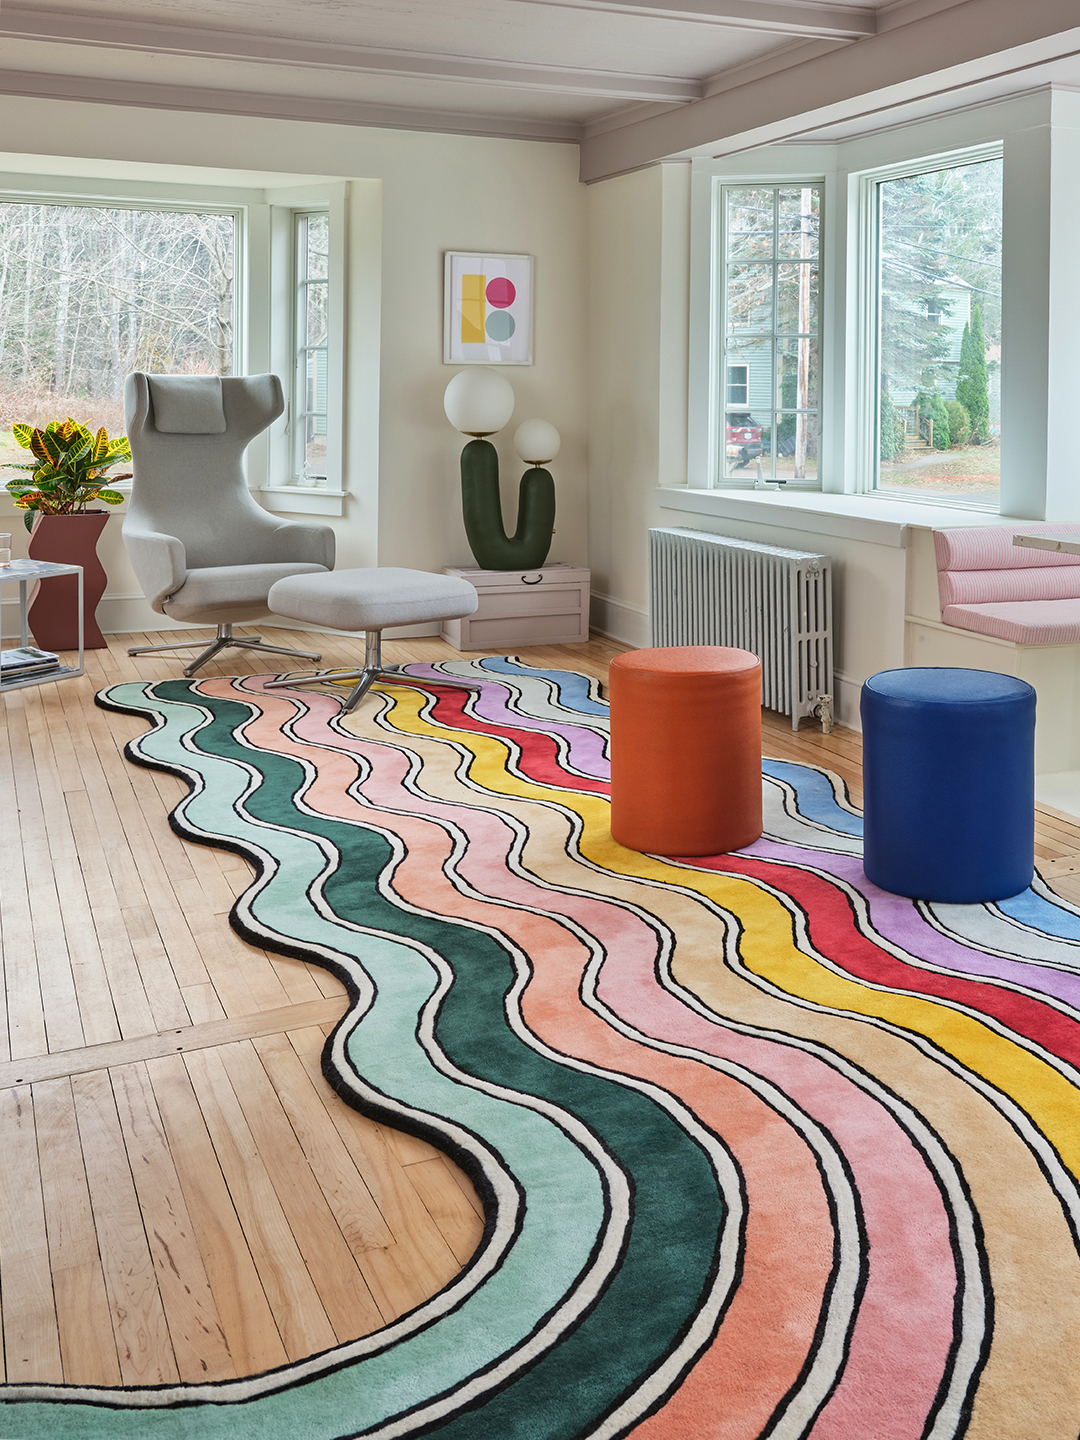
column 1007, row 608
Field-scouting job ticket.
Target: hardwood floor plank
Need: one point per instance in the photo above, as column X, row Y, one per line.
column 244, row 1311
column 147, row 1047
column 330, row 1262
column 131, row 1005
column 198, row 1339
column 84, row 1320
column 142, row 1335
column 93, row 993
column 460, row 1225
column 294, row 1300
column 31, row 1336
column 355, row 1211
column 158, row 976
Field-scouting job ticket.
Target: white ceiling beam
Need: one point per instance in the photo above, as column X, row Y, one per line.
column 799, row 21
column 969, row 42
column 65, row 28
column 149, row 95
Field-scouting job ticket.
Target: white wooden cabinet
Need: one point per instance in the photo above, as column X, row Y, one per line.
column 549, row 606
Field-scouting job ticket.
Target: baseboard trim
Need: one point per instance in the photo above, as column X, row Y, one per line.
column 629, row 624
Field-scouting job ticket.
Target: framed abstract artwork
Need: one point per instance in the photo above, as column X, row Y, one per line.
column 487, row 312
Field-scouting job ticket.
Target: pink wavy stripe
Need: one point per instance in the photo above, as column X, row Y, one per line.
column 904, row 1328
column 585, row 747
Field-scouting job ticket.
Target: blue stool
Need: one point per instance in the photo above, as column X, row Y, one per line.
column 949, row 784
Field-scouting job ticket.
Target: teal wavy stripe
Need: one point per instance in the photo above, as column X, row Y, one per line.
column 671, row 1244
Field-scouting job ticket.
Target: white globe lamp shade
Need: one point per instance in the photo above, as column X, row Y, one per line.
column 537, row 441
column 478, row 401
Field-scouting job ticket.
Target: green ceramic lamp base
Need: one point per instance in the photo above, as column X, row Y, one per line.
column 528, row 547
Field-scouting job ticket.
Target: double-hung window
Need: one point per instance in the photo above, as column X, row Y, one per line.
column 769, row 364
column 934, row 322
column 311, row 386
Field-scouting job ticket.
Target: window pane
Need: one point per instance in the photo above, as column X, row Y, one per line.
column 750, row 297
column 91, row 293
column 316, row 313
column 750, row 224
column 796, row 299
column 940, row 332
column 795, row 446
column 770, row 299
column 798, row 223
column 797, row 374
column 318, row 246
column 312, row 331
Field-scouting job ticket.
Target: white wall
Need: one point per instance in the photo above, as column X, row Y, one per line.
column 421, row 194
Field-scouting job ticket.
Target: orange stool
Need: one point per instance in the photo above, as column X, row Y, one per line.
column 685, row 749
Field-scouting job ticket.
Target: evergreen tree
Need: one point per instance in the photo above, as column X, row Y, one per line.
column 933, row 405
column 972, row 390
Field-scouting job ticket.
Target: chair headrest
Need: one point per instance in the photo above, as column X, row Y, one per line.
column 187, row 404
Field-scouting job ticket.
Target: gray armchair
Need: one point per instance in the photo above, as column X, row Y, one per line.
column 201, row 546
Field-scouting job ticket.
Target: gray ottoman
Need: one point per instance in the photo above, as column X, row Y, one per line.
column 369, row 600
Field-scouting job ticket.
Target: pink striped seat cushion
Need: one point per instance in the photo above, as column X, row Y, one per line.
column 1025, row 622
column 987, row 587
column 990, row 547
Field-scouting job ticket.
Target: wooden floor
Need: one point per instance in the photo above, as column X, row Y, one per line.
column 182, row 1195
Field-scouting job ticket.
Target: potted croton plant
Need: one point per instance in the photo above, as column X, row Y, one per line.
column 67, row 475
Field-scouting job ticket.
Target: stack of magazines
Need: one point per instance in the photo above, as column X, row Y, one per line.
column 27, row 662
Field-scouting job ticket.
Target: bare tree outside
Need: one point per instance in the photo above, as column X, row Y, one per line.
column 89, row 293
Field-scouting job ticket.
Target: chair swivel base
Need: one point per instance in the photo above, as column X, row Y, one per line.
column 373, row 669
column 222, row 641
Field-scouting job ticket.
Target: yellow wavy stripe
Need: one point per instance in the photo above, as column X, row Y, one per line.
column 767, row 945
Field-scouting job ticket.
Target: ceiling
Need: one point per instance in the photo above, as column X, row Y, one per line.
column 560, row 70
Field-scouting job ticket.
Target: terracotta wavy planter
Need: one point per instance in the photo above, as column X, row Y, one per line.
column 54, row 612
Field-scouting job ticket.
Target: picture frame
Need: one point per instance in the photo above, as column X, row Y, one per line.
column 487, row 309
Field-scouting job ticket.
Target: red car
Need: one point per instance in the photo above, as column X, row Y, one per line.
column 743, row 440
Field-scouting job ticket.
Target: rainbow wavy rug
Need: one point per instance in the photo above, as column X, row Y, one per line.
column 764, row 1150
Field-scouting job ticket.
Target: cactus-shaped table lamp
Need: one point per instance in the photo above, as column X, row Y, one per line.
column 479, row 402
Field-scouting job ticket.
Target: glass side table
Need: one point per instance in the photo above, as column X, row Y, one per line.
column 24, row 573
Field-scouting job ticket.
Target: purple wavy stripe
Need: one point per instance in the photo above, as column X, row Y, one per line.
column 896, row 919
column 585, row 748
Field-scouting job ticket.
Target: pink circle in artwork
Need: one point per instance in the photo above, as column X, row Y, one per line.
column 500, row 292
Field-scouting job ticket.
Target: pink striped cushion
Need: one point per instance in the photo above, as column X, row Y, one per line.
column 1025, row 622
column 985, row 587
column 990, row 547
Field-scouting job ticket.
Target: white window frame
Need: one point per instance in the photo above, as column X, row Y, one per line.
column 707, row 398
column 286, row 488
column 867, row 375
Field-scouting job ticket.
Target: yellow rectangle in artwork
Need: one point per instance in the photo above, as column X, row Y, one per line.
column 472, row 309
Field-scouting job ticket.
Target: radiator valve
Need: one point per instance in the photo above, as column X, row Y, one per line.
column 823, row 710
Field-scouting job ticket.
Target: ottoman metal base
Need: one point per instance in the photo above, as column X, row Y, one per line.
column 373, row 669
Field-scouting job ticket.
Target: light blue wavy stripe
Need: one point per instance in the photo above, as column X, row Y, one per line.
column 1042, row 914
column 572, row 689
column 814, row 795
column 541, row 1265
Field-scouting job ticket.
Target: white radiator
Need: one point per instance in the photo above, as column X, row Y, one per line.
column 714, row 590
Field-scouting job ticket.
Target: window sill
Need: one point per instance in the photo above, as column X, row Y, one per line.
column 854, row 517
column 302, row 500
